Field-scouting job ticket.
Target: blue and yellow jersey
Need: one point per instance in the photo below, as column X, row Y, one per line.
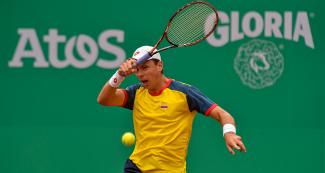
column 163, row 124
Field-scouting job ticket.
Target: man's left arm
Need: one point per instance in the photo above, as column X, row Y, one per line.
column 232, row 140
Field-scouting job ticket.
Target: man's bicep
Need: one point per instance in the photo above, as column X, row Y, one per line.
column 118, row 99
column 123, row 96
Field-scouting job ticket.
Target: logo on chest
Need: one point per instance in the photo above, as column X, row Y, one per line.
column 163, row 106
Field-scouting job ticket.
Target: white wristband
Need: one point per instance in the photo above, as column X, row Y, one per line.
column 116, row 80
column 228, row 128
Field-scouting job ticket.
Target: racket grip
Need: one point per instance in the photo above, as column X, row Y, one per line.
column 143, row 58
column 123, row 74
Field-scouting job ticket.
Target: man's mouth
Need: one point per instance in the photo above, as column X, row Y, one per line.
column 144, row 81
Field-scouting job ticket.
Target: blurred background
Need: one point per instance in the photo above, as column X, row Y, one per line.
column 264, row 64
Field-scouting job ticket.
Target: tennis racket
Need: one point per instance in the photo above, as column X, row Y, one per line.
column 189, row 25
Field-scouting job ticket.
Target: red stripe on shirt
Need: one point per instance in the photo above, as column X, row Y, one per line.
column 126, row 97
column 210, row 109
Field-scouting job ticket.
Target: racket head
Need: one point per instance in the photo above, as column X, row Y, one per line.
column 191, row 24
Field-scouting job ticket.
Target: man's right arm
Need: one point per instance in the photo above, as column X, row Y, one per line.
column 111, row 95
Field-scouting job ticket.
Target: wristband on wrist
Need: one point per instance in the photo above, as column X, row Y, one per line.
column 228, row 128
column 116, row 80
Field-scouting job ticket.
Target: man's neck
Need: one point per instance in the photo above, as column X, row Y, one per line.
column 162, row 82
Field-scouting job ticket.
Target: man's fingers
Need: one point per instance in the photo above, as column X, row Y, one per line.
column 132, row 62
column 231, row 150
column 242, row 146
column 127, row 67
column 235, row 142
column 236, row 146
column 124, row 68
column 132, row 66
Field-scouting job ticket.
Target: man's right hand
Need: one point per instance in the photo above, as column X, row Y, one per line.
column 128, row 67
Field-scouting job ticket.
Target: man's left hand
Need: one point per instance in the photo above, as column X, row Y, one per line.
column 234, row 141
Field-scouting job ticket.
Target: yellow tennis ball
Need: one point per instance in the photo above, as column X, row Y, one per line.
column 128, row 139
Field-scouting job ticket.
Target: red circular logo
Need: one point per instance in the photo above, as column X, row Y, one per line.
column 136, row 53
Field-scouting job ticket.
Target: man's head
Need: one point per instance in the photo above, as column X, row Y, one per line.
column 144, row 49
column 149, row 73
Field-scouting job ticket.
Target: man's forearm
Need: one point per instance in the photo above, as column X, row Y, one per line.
column 108, row 92
column 222, row 116
column 226, row 118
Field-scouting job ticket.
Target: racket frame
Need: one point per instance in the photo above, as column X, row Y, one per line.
column 152, row 51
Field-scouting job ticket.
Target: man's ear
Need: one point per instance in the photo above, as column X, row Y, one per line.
column 160, row 65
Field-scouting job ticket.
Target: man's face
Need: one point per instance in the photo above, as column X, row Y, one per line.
column 149, row 74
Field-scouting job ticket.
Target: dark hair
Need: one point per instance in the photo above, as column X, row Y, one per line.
column 155, row 61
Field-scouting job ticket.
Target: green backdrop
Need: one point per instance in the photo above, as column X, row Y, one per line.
column 264, row 64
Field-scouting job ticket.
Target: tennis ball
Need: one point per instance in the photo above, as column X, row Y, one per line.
column 128, row 139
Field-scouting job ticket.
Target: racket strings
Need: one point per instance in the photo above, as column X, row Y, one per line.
column 184, row 22
column 191, row 24
column 195, row 33
column 188, row 27
column 193, row 30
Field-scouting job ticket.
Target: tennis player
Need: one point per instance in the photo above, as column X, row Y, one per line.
column 163, row 113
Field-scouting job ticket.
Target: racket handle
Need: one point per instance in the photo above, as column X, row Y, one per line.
column 143, row 58
column 123, row 74
column 140, row 60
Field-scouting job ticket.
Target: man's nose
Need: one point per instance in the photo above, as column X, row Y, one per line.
column 139, row 73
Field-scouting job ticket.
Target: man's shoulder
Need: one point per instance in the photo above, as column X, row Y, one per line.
column 134, row 86
column 180, row 86
column 184, row 87
column 181, row 83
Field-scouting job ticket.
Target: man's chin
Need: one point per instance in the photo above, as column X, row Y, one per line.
column 145, row 85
